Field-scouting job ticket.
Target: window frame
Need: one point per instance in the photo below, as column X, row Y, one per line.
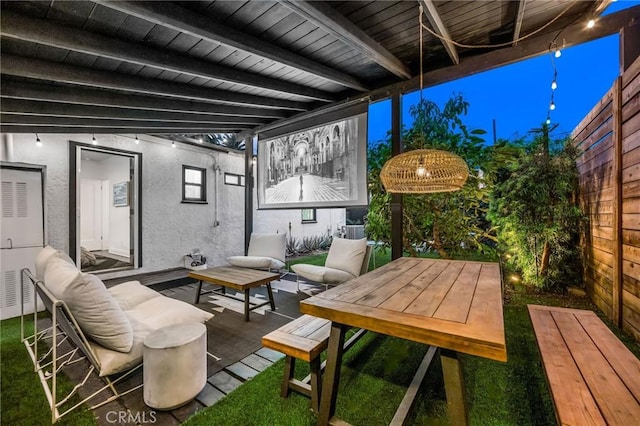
column 203, row 185
column 314, row 218
column 239, row 179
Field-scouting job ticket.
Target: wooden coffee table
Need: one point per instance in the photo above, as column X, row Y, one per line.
column 242, row 279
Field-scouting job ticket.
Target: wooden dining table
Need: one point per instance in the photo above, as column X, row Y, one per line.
column 452, row 305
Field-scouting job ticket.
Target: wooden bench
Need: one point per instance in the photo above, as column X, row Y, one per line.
column 304, row 338
column 594, row 379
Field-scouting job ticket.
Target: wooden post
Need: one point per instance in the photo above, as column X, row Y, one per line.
column 396, row 199
column 629, row 45
column 616, row 296
column 454, row 387
column 248, row 192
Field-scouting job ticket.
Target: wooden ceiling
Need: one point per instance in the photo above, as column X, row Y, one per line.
column 191, row 67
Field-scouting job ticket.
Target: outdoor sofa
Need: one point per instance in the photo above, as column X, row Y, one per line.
column 107, row 327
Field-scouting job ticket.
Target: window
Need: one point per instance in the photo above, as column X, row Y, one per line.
column 308, row 215
column 194, row 185
column 233, row 179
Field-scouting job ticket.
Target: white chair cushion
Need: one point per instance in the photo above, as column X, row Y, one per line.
column 347, row 255
column 321, row 274
column 257, row 262
column 44, row 256
column 146, row 317
column 97, row 312
column 268, row 245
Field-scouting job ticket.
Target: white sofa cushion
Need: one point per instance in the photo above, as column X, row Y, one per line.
column 97, row 312
column 256, row 262
column 267, row 245
column 347, row 255
column 147, row 312
column 322, row 274
column 44, row 256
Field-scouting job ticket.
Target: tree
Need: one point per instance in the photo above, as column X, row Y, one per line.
column 446, row 222
column 534, row 209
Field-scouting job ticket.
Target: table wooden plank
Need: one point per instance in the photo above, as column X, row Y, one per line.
column 457, row 302
column 392, row 287
column 234, row 277
column 569, row 391
column 483, row 307
column 428, row 302
column 625, row 364
column 406, row 296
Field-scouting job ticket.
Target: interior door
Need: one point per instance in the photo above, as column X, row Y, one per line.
column 91, row 214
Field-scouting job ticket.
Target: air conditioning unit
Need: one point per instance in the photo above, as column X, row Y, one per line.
column 355, row 232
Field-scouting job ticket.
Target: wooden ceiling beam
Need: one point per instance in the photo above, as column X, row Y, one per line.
column 183, row 20
column 10, row 128
column 572, row 35
column 56, row 109
column 45, row 32
column 12, row 89
column 71, row 74
column 517, row 23
column 331, row 21
column 431, row 12
column 94, row 123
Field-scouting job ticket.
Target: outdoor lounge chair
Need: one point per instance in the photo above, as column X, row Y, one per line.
column 105, row 327
column 266, row 251
column 347, row 259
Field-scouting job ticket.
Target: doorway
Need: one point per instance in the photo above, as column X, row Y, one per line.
column 104, row 208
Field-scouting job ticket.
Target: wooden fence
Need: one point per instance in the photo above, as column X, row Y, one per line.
column 609, row 165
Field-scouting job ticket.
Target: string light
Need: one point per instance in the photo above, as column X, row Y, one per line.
column 38, row 141
column 558, row 53
column 173, row 144
column 554, row 51
column 591, row 23
column 137, row 140
column 94, row 141
column 552, row 105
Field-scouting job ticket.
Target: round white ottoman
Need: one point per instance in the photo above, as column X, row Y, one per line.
column 174, row 365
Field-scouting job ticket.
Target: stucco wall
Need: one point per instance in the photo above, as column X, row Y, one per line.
column 170, row 228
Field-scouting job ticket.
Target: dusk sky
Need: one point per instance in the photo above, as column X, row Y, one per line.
column 517, row 96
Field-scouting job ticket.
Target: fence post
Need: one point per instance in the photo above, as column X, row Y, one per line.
column 616, row 311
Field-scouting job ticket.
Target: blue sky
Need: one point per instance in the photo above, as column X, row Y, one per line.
column 517, row 96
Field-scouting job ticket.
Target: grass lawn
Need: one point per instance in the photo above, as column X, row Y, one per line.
column 22, row 400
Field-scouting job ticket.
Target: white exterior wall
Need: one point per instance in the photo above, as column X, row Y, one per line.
column 170, row 229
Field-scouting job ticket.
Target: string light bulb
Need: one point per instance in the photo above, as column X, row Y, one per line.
column 554, row 85
column 552, row 106
column 558, row 53
column 591, row 23
column 173, row 144
column 548, row 120
column 94, row 141
column 38, row 141
column 137, row 140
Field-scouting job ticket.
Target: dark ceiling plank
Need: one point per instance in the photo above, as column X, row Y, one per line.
column 517, row 23
column 46, row 33
column 63, row 73
column 572, row 35
column 431, row 12
column 183, row 20
column 86, row 96
column 57, row 109
column 7, row 128
column 327, row 18
column 37, row 120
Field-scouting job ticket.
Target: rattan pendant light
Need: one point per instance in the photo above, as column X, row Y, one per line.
column 424, row 170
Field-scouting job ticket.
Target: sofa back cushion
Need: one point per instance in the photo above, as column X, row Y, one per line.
column 44, row 256
column 267, row 245
column 97, row 312
column 347, row 255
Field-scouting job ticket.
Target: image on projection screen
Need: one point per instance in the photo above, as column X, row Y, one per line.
column 319, row 167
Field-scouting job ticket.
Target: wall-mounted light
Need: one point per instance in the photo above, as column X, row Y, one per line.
column 94, row 141
column 254, row 160
column 137, row 140
column 38, row 141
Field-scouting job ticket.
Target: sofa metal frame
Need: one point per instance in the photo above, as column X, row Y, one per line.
column 64, row 328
